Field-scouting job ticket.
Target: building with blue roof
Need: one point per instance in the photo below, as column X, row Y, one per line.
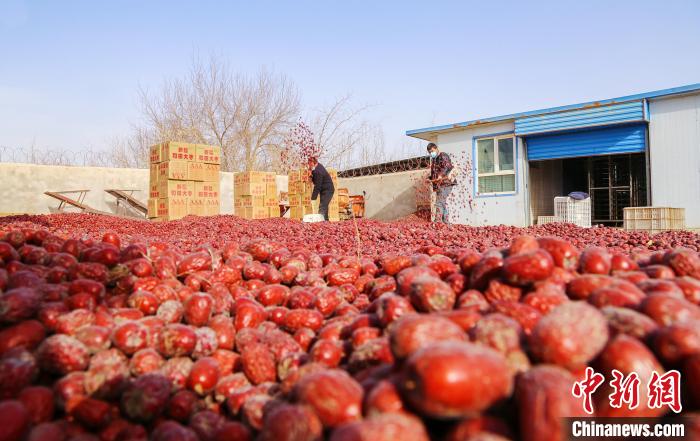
column 632, row 151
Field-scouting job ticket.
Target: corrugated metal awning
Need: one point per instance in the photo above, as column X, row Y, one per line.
column 592, row 142
column 577, row 119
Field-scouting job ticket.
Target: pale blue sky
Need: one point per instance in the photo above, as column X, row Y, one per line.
column 69, row 70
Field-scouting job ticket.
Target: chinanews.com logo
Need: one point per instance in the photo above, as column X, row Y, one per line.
column 662, row 391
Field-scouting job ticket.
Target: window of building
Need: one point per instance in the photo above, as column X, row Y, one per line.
column 496, row 165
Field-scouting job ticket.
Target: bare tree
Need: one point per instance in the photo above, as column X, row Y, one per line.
column 344, row 137
column 409, row 148
column 132, row 151
column 247, row 115
column 341, row 141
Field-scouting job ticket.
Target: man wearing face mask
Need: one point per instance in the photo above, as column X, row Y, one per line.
column 440, row 168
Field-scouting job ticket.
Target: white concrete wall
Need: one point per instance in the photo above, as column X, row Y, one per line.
column 674, row 144
column 468, row 208
column 388, row 196
column 22, row 186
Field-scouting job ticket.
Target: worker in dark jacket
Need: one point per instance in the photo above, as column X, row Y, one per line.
column 440, row 168
column 323, row 186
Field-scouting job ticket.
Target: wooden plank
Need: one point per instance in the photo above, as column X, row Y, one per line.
column 129, row 199
column 67, row 200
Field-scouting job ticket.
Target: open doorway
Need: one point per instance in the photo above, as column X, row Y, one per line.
column 613, row 182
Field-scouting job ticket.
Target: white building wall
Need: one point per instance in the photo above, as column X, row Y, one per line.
column 23, row 186
column 674, row 142
column 465, row 206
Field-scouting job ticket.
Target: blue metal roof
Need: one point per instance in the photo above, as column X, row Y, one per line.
column 590, row 104
column 573, row 119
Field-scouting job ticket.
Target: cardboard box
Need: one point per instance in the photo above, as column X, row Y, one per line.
column 271, row 201
column 294, row 176
column 259, row 212
column 208, row 154
column 175, row 189
column 153, row 191
column 297, row 200
column 195, row 171
column 179, row 151
column 196, row 206
column 172, row 208
column 249, row 177
column 299, row 212
column 207, row 190
column 248, row 201
column 152, row 207
column 269, row 177
column 271, row 189
column 153, row 177
column 302, row 175
column 154, row 153
column 173, row 170
column 252, row 212
column 204, row 206
column 300, row 187
column 306, row 192
column 211, row 173
column 250, row 189
column 212, row 206
column 199, row 171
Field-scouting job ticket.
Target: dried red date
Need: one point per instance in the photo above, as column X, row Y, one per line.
column 412, row 332
column 487, row 268
column 176, row 340
column 565, row 255
column 454, row 379
column 526, row 268
column 62, row 354
column 544, row 399
column 27, row 334
column 334, row 396
column 570, row 336
column 430, row 294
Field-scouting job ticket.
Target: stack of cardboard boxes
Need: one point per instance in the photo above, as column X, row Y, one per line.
column 255, row 195
column 300, row 189
column 184, row 180
column 334, row 206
